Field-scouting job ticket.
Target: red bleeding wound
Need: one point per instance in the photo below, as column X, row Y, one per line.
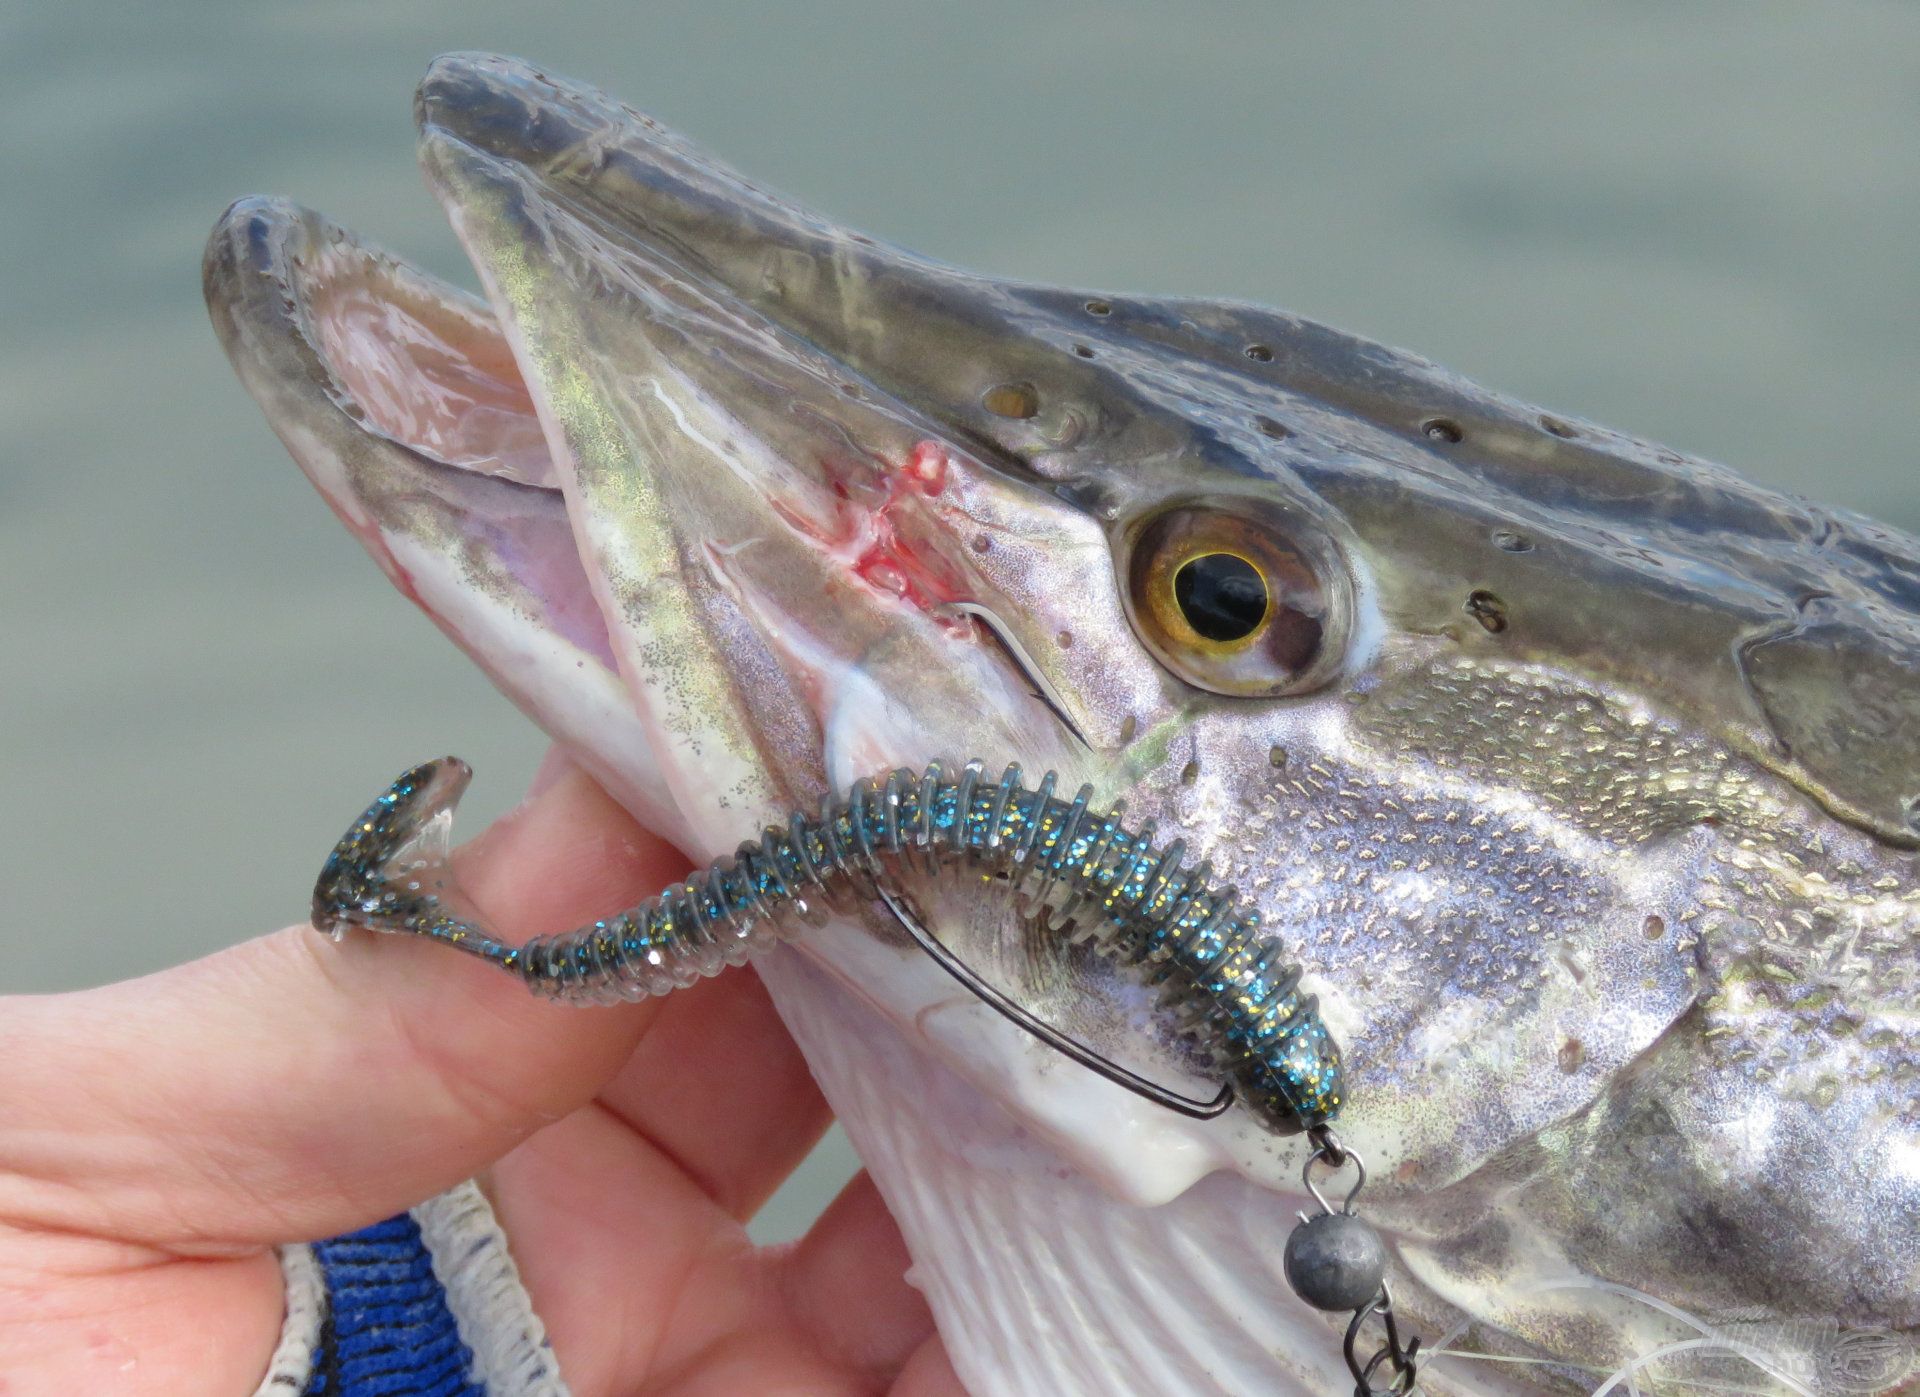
column 867, row 537
column 927, row 467
column 884, row 559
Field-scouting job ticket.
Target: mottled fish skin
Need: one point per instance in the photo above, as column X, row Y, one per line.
column 1592, row 821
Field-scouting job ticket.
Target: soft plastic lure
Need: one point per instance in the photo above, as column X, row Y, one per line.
column 1100, row 883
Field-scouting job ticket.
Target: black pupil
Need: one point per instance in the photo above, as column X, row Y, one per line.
column 1222, row 597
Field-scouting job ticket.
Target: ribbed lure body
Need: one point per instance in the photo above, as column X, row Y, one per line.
column 1104, row 885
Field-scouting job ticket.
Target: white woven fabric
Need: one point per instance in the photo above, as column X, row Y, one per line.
column 292, row 1364
column 511, row 1356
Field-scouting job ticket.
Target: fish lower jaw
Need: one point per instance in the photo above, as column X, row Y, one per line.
column 1075, row 1275
column 1134, row 1152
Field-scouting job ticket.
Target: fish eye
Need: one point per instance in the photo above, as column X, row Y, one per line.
column 1231, row 603
column 1223, row 597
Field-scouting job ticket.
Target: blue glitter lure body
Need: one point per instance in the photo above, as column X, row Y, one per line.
column 1093, row 879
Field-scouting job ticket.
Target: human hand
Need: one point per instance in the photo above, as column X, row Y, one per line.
column 157, row 1137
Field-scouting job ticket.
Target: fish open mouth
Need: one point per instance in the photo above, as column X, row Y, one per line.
column 401, row 400
column 666, row 484
column 399, row 396
column 653, row 451
column 416, row 362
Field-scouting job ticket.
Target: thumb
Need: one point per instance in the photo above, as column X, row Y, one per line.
column 290, row 1088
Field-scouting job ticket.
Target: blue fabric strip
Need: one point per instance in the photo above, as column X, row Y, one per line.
column 388, row 1331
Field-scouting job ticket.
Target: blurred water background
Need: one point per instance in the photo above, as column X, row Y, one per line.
column 1693, row 221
